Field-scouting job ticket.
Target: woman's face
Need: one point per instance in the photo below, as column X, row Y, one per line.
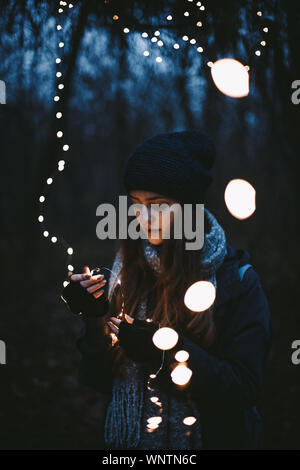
column 153, row 219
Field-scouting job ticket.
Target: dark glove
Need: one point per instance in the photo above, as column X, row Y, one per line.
column 136, row 339
column 81, row 302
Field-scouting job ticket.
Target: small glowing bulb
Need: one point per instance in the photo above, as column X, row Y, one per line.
column 189, row 420
column 59, row 115
column 265, row 30
column 65, row 283
column 61, row 86
column 126, row 30
column 258, row 53
column 154, row 39
column 58, row 74
column 154, row 399
column 59, row 134
column 60, row 10
column 176, row 46
column 61, row 44
column 42, row 198
column 230, row 77
column 259, row 13
column 240, row 198
column 70, row 5
column 70, row 267
column 65, row 148
column 146, row 53
column 157, row 33
column 61, row 162
column 199, row 24
column 160, row 43
column 144, row 35
column 181, row 374
column 40, row 218
column 185, row 38
column 169, row 17
column 152, row 426
column 210, row 64
column 200, row 296
column 49, row 181
column 165, row 338
column 58, row 60
column 115, row 17
column 58, row 27
column 182, row 356
column 54, row 239
column 46, row 233
column 202, row 7
column 186, row 13
column 154, row 420
column 193, row 41
column 70, row 251
column 200, row 49
column 263, row 43
column 152, row 376
column 158, row 59
column 56, row 98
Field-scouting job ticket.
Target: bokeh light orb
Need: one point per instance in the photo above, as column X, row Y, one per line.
column 189, row 420
column 200, row 296
column 181, row 356
column 240, row 198
column 165, row 338
column 155, row 420
column 230, row 77
column 181, row 374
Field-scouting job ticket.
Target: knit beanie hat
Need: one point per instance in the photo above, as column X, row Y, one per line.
column 175, row 164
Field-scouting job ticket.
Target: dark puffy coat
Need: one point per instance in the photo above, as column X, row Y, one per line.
column 227, row 378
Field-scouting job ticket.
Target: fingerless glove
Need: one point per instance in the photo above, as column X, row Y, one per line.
column 81, row 302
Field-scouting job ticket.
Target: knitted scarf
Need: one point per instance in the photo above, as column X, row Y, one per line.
column 130, row 406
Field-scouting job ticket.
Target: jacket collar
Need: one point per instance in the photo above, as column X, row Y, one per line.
column 229, row 284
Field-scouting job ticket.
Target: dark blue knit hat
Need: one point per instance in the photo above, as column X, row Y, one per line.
column 175, row 164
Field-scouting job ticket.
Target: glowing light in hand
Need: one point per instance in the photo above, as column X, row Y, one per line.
column 200, row 296
column 165, row 338
column 240, row 198
column 230, row 77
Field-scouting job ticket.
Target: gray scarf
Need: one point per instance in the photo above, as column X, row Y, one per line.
column 130, row 406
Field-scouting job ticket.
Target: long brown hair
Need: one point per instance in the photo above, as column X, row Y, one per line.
column 179, row 268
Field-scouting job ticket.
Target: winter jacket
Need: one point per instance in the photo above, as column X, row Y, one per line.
column 227, row 378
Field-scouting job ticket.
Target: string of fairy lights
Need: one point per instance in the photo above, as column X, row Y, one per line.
column 201, row 295
column 64, row 147
column 155, row 39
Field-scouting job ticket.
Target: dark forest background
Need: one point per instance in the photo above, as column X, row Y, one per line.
column 113, row 98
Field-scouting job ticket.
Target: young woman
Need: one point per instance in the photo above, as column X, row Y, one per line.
column 227, row 344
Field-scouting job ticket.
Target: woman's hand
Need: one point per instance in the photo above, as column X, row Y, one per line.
column 83, row 292
column 135, row 336
column 92, row 283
